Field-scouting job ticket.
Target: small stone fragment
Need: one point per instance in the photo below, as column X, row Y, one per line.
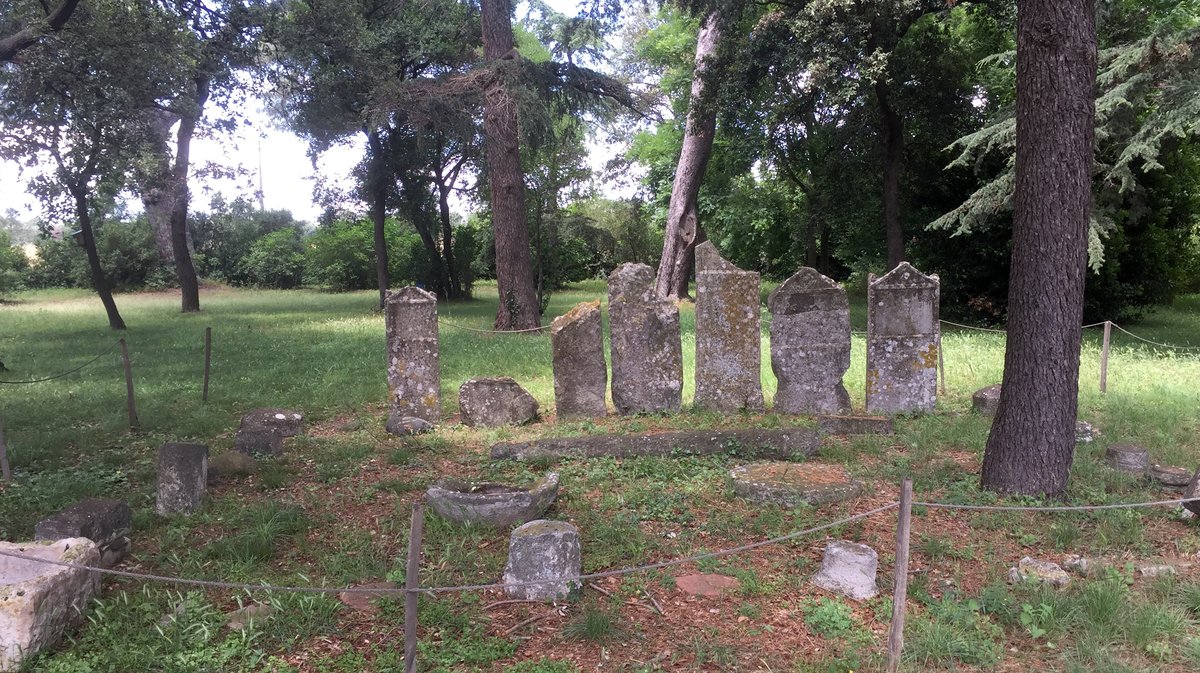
column 243, row 617
column 985, row 401
column 258, row 441
column 580, row 373
column 728, row 335
column 1080, row 565
column 182, row 478
column 794, row 484
column 849, row 569
column 286, row 422
column 405, row 426
column 492, row 504
column 707, row 584
column 493, row 402
column 366, row 602
column 1191, row 492
column 1169, row 476
column 1152, row 571
column 855, row 425
column 542, row 556
column 1030, row 569
column 1128, row 458
column 903, row 337
column 414, row 374
column 645, row 349
column 104, row 521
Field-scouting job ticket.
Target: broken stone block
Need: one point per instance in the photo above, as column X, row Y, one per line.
column 104, row 521
column 542, row 557
column 1152, row 571
column 258, row 441
column 1169, row 476
column 230, row 465
column 985, row 401
column 810, row 344
column 1128, row 458
column 849, row 569
column 903, row 336
column 728, row 335
column 645, row 349
column 286, row 422
column 580, row 373
column 794, row 484
column 413, row 363
column 182, row 478
column 1032, row 570
column 492, row 504
column 493, row 402
column 404, row 426
column 39, row 602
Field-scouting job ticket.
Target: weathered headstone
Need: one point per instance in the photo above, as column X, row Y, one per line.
column 492, row 504
column 903, row 335
column 182, row 478
column 986, row 400
column 1128, row 458
column 258, row 441
column 580, row 373
column 39, row 601
column 105, row 521
column 728, row 335
column 810, row 344
column 646, row 351
column 848, row 568
column 492, row 402
column 285, row 422
column 413, row 365
column 542, row 556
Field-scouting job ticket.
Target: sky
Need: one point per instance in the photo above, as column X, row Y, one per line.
column 287, row 173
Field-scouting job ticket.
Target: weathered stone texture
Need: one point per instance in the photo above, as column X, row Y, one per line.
column 986, row 400
column 258, row 441
column 646, row 351
column 285, row 422
column 794, row 484
column 580, row 373
column 492, row 504
column 1128, row 458
column 413, row 364
column 903, row 335
column 182, row 478
column 1029, row 569
column 810, row 344
column 545, row 553
column 38, row 601
column 492, row 402
column 104, row 521
column 849, row 568
column 1170, row 476
column 405, row 426
column 728, row 335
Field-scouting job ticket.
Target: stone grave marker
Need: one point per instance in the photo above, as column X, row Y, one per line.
column 104, row 521
column 39, row 601
column 545, row 553
column 646, row 351
column 848, row 568
column 728, row 335
column 810, row 344
column 182, row 478
column 903, row 336
column 413, row 365
column 580, row 373
column 492, row 402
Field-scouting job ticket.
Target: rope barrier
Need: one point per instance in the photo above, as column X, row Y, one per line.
column 69, row 372
column 1053, row 508
column 1155, row 343
column 1096, row 324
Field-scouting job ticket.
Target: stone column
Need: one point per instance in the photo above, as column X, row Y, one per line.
column 810, row 344
column 580, row 373
column 413, row 368
column 903, row 335
column 647, row 354
column 728, row 335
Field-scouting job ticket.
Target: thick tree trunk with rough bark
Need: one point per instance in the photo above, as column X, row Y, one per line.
column 1032, row 442
column 891, row 132
column 514, row 268
column 99, row 280
column 377, row 190
column 189, row 284
column 682, row 228
column 156, row 189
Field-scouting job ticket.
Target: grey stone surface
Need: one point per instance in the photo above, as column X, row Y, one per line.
column 39, row 602
column 1170, row 476
column 645, row 346
column 286, row 422
column 492, row 402
column 1033, row 570
column 580, row 373
column 492, row 504
column 1128, row 458
column 104, row 521
column 728, row 335
column 782, row 443
column 903, row 334
column 1085, row 432
column 258, row 441
column 407, row 425
column 546, row 553
column 182, row 478
column 230, row 465
column 856, row 425
column 413, row 366
column 1152, row 571
column 810, row 344
column 1192, row 490
column 794, row 484
column 986, row 400
column 1080, row 565
column 849, row 569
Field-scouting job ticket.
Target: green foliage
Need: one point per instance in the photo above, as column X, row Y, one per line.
column 340, row 255
column 12, row 263
column 595, row 624
column 276, row 260
column 127, row 255
column 828, row 617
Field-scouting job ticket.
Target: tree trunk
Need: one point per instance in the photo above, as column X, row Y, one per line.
column 156, row 188
column 518, row 307
column 377, row 189
column 688, row 260
column 437, row 271
column 891, row 133
column 1032, row 441
column 679, row 241
column 99, row 280
column 455, row 289
column 189, row 285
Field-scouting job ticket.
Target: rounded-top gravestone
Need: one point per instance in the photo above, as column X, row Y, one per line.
column 794, row 484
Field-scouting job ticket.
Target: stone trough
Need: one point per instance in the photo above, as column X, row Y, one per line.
column 492, row 504
column 794, row 484
column 39, row 601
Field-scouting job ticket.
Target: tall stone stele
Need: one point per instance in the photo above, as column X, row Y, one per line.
column 647, row 353
column 580, row 373
column 728, row 335
column 903, row 337
column 413, row 365
column 810, row 344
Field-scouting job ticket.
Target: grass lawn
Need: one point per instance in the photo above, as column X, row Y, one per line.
column 334, row 509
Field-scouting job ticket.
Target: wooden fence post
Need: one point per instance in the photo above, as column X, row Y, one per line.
column 1104, row 356
column 4, row 467
column 941, row 368
column 900, row 595
column 133, row 418
column 411, row 583
column 207, row 359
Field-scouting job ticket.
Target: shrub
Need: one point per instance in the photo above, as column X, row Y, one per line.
column 275, row 260
column 12, row 264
